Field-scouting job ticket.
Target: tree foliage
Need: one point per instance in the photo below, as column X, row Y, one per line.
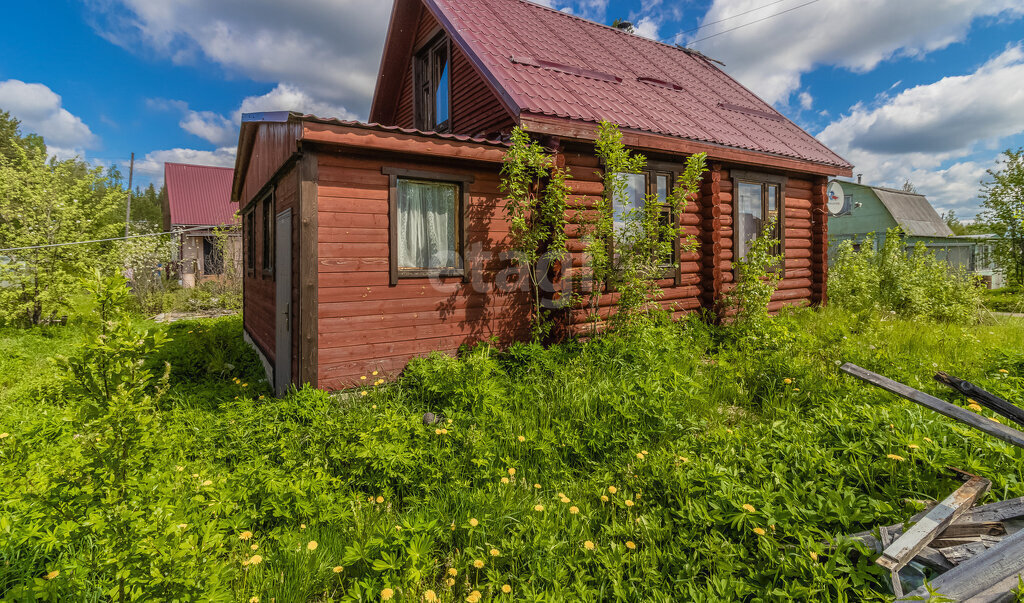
column 1003, row 203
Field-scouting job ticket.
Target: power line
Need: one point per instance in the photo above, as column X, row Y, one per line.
column 780, row 13
column 746, row 12
column 138, row 236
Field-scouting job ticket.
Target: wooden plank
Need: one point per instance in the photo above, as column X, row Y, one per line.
column 998, row 511
column 1000, row 592
column 977, row 575
column 907, row 546
column 986, row 399
column 998, row 430
column 308, row 269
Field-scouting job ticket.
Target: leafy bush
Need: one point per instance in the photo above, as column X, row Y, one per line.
column 1007, row 299
column 911, row 285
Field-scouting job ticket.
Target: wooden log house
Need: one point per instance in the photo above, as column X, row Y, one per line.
column 367, row 244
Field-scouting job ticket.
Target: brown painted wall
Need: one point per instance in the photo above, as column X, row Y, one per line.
column 365, row 324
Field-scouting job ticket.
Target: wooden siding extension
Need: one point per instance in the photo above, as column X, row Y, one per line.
column 365, row 324
column 475, row 108
column 274, row 144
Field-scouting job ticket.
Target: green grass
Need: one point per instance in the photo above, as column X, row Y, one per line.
column 1007, row 299
column 698, row 445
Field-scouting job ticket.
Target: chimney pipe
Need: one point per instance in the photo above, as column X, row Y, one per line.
column 859, row 176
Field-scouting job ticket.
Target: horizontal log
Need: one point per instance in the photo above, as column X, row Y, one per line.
column 802, row 293
column 797, row 204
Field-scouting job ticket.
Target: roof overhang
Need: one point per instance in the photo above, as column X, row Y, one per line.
column 652, row 142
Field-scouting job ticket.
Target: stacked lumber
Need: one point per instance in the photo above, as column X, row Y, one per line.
column 975, row 553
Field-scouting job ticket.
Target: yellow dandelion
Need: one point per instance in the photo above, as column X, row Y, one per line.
column 473, row 522
column 453, row 572
column 246, row 535
column 444, row 432
column 749, row 508
column 363, row 378
column 993, row 419
column 796, row 389
column 254, row 546
column 338, row 569
column 814, row 556
column 612, row 489
column 374, row 373
column 640, row 456
column 208, row 483
column 631, row 545
column 975, row 407
column 565, row 500
column 505, row 588
column 511, row 470
column 53, row 574
column 374, row 407
column 255, row 560
column 312, row 545
column 759, row 531
column 574, row 509
column 478, row 563
column 302, row 526
column 629, row 503
column 387, row 593
column 429, row 596
column 504, row 480
column 538, row 508
column 894, row 457
column 183, row 526
column 929, row 440
column 604, row 498
column 644, row 452
column 450, row 581
column 437, row 432
column 537, row 486
column 913, row 446
column 474, row 597
column 495, row 552
column 379, row 499
column 684, row 459
column 254, row 599
column 1004, row 371
column 398, row 528
column 362, row 393
column 178, row 468
column 521, row 438
column 787, row 380
column 588, row 545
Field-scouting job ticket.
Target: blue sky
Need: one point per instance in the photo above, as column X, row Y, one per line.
column 926, row 90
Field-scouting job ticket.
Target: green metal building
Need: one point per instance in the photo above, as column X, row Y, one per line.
column 860, row 210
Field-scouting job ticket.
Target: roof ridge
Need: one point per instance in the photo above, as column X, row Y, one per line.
column 893, row 190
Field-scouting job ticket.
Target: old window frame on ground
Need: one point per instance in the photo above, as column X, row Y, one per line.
column 268, row 216
column 462, row 183
column 250, row 242
column 671, row 173
column 430, row 64
column 766, row 182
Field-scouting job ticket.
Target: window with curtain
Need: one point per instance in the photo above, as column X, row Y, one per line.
column 757, row 203
column 428, row 225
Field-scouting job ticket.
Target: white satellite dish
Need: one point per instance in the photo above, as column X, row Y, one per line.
column 836, row 199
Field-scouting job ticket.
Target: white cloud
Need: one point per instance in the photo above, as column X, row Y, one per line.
column 328, row 48
column 806, row 100
column 770, row 56
column 286, row 97
column 937, row 135
column 41, row 112
column 209, row 126
column 648, row 27
column 152, row 164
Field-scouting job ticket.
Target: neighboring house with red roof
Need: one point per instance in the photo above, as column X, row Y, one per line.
column 199, row 206
column 369, row 244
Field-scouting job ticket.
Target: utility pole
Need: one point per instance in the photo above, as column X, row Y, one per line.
column 128, row 210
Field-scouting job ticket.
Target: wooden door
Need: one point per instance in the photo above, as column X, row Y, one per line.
column 283, row 277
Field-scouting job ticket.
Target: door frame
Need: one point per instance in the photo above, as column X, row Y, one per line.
column 284, row 315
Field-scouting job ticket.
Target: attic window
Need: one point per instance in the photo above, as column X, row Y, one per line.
column 433, row 86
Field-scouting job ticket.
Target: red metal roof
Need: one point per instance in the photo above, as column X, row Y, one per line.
column 199, row 195
column 382, row 128
column 551, row 63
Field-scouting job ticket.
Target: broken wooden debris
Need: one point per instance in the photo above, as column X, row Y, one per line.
column 989, row 574
column 992, row 428
column 906, row 547
column 986, row 399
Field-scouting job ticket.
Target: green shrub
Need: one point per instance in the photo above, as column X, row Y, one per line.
column 911, row 285
column 1007, row 299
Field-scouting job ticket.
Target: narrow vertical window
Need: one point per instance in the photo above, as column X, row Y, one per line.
column 632, row 199
column 268, row 235
column 250, row 242
column 433, row 84
column 759, row 200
